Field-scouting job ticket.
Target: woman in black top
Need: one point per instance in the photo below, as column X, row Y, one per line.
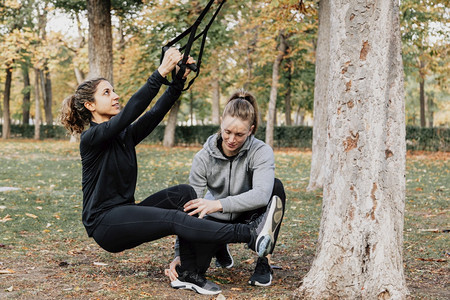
column 108, row 156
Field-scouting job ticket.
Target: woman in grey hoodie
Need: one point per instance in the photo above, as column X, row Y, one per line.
column 234, row 178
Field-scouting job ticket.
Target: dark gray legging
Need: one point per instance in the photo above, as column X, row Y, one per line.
column 197, row 257
column 161, row 214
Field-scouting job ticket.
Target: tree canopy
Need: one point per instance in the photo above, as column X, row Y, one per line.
column 240, row 50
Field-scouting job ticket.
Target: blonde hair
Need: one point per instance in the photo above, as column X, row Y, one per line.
column 242, row 104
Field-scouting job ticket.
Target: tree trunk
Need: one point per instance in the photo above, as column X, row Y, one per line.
column 274, row 89
column 6, row 130
column 430, row 105
column 300, row 117
column 423, row 120
column 169, row 131
column 319, row 139
column 49, row 97
column 250, row 49
column 46, row 88
column 37, row 112
column 191, row 107
column 215, row 117
column 79, row 74
column 26, row 102
column 100, row 39
column 359, row 253
column 288, row 96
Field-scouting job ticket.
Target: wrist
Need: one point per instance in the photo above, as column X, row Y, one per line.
column 219, row 206
column 162, row 71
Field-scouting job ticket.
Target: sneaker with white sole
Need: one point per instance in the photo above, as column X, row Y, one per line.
column 263, row 228
column 192, row 281
column 224, row 258
column 263, row 273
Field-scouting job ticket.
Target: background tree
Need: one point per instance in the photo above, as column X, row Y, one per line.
column 320, row 124
column 425, row 44
column 100, row 39
column 14, row 45
column 359, row 253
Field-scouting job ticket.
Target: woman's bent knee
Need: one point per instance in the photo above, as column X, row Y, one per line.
column 186, row 189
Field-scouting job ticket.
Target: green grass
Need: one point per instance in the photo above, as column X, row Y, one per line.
column 46, row 254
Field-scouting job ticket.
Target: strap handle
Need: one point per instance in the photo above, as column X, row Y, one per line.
column 187, row 47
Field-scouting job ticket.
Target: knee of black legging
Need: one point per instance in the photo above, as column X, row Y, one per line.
column 278, row 189
column 186, row 189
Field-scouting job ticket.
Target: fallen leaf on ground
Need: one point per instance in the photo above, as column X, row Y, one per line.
column 433, row 259
column 31, row 215
column 429, row 230
column 5, row 219
column 7, row 271
column 249, row 261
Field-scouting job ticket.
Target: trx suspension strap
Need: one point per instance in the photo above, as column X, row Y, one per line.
column 192, row 37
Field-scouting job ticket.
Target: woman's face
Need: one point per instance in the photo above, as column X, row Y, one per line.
column 234, row 133
column 106, row 103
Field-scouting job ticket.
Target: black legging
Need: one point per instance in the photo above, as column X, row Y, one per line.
column 197, row 256
column 159, row 215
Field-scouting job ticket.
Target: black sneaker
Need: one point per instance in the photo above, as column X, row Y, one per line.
column 192, row 281
column 264, row 227
column 224, row 258
column 263, row 273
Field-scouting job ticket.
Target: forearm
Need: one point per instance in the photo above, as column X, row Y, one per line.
column 147, row 123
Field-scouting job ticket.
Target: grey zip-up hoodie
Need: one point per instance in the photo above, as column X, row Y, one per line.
column 242, row 184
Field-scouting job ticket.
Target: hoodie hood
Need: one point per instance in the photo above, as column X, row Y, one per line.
column 211, row 148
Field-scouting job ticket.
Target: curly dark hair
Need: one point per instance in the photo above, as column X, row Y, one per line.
column 74, row 115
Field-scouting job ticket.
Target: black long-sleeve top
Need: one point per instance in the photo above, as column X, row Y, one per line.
column 108, row 154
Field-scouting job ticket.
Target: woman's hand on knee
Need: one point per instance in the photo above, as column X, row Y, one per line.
column 171, row 272
column 202, row 207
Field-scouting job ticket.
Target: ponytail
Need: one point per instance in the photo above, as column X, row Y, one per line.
column 242, row 104
column 74, row 115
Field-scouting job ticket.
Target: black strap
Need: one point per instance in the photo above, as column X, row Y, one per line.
column 187, row 47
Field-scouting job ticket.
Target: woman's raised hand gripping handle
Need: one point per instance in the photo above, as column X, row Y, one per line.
column 169, row 62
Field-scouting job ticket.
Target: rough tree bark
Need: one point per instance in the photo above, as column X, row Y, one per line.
column 6, row 129
column 359, row 254
column 169, row 131
column 100, row 39
column 274, row 89
column 319, row 141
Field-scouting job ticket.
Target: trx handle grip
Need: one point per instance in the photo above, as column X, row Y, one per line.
column 192, row 67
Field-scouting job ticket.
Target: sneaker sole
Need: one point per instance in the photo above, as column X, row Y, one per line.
column 256, row 283
column 265, row 240
column 193, row 287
